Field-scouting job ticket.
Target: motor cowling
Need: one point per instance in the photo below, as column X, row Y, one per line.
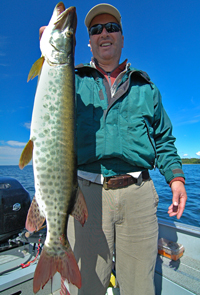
column 14, row 204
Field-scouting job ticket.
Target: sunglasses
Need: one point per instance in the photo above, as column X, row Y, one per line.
column 110, row 28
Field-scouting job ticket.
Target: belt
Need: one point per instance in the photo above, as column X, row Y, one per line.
column 115, row 182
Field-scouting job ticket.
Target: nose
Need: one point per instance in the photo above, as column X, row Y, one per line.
column 104, row 32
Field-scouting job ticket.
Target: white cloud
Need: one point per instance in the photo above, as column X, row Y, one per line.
column 15, row 143
column 27, row 125
column 185, row 155
column 198, row 153
column 10, row 152
column 10, row 155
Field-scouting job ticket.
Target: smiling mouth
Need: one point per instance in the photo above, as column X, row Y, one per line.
column 106, row 44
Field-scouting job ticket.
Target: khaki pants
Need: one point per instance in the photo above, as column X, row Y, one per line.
column 125, row 219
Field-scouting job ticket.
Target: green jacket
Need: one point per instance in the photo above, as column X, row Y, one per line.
column 127, row 132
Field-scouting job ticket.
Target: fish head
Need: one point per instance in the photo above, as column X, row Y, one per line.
column 58, row 40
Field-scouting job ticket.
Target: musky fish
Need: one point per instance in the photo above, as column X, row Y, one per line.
column 52, row 143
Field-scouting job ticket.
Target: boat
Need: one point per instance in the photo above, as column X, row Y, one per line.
column 177, row 269
column 179, row 275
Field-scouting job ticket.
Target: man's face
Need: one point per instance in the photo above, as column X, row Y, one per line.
column 106, row 47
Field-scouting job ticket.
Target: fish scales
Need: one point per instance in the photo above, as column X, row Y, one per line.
column 53, row 153
column 52, row 143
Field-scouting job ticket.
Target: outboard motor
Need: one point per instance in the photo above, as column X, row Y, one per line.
column 14, row 204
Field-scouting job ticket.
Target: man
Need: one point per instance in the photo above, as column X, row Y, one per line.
column 122, row 131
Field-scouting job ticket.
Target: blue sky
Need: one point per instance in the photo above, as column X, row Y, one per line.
column 162, row 37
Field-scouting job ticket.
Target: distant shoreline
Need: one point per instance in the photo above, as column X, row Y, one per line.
column 190, row 161
column 184, row 161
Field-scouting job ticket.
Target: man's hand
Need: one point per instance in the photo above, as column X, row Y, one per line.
column 179, row 199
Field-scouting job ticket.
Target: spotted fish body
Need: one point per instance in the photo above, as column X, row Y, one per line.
column 52, row 141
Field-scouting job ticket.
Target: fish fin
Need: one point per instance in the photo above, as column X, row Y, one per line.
column 36, row 68
column 26, row 155
column 80, row 211
column 48, row 265
column 35, row 218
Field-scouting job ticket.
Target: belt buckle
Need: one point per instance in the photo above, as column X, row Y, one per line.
column 105, row 183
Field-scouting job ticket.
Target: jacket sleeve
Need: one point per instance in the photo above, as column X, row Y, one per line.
column 168, row 161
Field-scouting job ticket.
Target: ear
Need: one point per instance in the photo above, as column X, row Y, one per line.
column 89, row 45
column 122, row 41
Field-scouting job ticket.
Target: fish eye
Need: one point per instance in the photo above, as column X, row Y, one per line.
column 69, row 34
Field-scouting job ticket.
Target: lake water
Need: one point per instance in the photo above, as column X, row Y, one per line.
column 190, row 216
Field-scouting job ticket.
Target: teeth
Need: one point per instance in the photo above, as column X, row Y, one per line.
column 106, row 44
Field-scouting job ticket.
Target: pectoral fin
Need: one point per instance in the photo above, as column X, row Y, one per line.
column 36, row 68
column 26, row 155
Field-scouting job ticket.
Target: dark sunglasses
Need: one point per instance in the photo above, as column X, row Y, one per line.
column 110, row 28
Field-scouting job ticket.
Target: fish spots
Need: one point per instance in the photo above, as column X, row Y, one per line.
column 49, row 142
column 41, row 160
column 52, row 72
column 41, row 135
column 53, row 133
column 43, row 149
column 50, row 215
column 47, row 97
column 46, row 117
column 52, row 108
column 57, row 81
column 58, row 121
column 50, row 163
column 64, row 176
column 43, row 175
column 61, row 208
column 52, row 152
column 49, row 203
column 52, row 225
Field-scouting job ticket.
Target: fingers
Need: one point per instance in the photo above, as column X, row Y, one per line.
column 41, row 30
column 179, row 199
column 177, row 210
column 181, row 206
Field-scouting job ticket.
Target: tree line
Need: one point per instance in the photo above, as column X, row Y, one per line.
column 190, row 161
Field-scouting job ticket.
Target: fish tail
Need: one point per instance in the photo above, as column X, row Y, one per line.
column 48, row 265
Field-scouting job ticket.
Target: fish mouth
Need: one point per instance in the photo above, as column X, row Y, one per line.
column 66, row 19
